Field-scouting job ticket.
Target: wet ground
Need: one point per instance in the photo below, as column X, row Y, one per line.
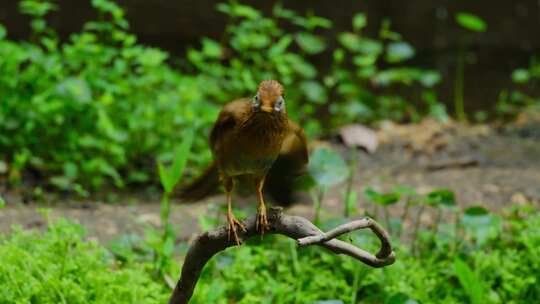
column 485, row 165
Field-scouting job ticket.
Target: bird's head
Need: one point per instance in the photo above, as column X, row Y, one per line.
column 269, row 97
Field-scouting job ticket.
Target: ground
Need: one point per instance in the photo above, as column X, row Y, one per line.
column 484, row 164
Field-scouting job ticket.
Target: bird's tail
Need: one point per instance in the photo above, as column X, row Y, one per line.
column 204, row 185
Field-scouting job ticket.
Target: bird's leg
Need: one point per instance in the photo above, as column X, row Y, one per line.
column 228, row 183
column 262, row 221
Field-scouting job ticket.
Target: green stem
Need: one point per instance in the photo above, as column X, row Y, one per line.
column 355, row 286
column 350, row 180
column 404, row 217
column 459, row 86
column 416, row 229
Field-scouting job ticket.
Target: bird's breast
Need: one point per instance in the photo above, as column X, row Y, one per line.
column 252, row 148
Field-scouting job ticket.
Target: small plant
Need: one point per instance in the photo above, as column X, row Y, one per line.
column 473, row 24
column 470, row 282
column 327, row 168
column 170, row 177
column 58, row 266
column 514, row 101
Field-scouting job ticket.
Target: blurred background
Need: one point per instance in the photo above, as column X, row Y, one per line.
column 422, row 114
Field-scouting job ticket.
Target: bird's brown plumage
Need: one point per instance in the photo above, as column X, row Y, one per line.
column 247, row 138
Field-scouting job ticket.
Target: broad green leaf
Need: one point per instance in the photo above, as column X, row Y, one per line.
column 278, row 48
column 371, row 194
column 399, row 51
column 383, row 199
column 170, row 177
column 470, row 282
column 327, row 167
column 521, row 76
column 441, row 197
column 211, row 48
column 389, row 199
column 311, row 44
column 430, row 78
column 476, row 211
column 2, row 202
column 481, row 225
column 359, row 21
column 471, row 22
column 314, row 91
column 355, row 43
column 165, row 179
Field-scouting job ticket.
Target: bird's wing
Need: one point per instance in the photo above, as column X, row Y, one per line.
column 295, row 145
column 229, row 117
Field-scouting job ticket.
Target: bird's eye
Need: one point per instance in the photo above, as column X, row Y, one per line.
column 280, row 102
column 256, row 101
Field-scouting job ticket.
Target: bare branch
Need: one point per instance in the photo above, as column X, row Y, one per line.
column 209, row 243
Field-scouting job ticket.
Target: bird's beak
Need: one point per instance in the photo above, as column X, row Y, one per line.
column 267, row 109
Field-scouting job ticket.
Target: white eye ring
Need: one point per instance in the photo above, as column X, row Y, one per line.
column 280, row 102
column 256, row 101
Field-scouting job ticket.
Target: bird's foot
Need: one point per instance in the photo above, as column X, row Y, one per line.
column 233, row 222
column 262, row 222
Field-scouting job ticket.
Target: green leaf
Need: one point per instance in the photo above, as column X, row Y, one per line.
column 314, row 91
column 441, row 197
column 211, row 48
column 521, row 76
column 278, row 48
column 480, row 225
column 165, row 179
column 310, row 43
column 2, row 202
column 476, row 211
column 355, row 43
column 327, row 167
column 371, row 194
column 389, row 199
column 470, row 282
column 430, row 78
column 399, row 51
column 170, row 177
column 471, row 22
column 359, row 21
column 383, row 199
column 400, row 298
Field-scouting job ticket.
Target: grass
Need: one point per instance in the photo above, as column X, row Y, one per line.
column 59, row 266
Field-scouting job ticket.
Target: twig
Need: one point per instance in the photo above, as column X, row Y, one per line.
column 210, row 243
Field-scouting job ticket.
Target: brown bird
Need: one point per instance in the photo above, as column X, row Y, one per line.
column 250, row 138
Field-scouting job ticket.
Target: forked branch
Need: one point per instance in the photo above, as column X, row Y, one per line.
column 306, row 233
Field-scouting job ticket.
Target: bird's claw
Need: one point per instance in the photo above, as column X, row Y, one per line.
column 233, row 222
column 262, row 222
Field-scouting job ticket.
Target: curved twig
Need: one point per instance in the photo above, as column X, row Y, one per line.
column 209, row 243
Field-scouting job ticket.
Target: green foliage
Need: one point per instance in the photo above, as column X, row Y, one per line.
column 327, row 167
column 58, row 266
column 471, row 22
column 258, row 46
column 512, row 102
column 470, row 282
column 170, row 177
column 99, row 109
